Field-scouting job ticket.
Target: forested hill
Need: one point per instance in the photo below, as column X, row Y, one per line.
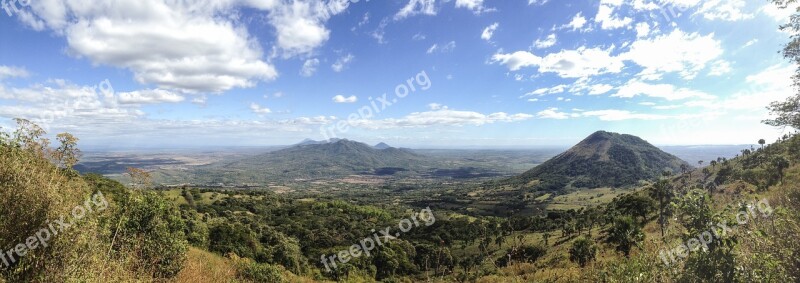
column 603, row 159
column 338, row 158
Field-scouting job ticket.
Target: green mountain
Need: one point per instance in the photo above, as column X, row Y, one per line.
column 312, row 160
column 603, row 159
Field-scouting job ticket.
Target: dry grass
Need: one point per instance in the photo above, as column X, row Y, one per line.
column 202, row 266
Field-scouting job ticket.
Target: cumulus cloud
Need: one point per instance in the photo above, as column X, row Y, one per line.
column 188, row 47
column 582, row 62
column 666, row 91
column 552, row 113
column 727, row 10
column 475, row 5
column 258, row 109
column 300, row 25
column 547, row 90
column 342, row 62
column 684, row 53
column 549, row 41
column 442, row 48
column 441, row 117
column 606, row 17
column 12, row 72
column 154, row 96
column 170, row 44
column 342, row 99
column 488, row 32
column 577, row 22
column 414, row 7
column 309, row 67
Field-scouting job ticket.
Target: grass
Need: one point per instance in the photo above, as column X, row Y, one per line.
column 584, row 198
column 203, row 266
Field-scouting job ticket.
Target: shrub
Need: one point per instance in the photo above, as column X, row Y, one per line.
column 582, row 251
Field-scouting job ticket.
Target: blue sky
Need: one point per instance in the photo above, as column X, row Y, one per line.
column 151, row 73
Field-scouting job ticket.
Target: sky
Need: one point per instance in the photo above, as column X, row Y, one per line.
column 414, row 73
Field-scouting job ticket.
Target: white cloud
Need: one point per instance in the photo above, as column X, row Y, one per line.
column 414, row 7
column 300, row 25
column 621, row 115
column 605, row 16
column 547, row 42
column 436, row 106
column 577, row 22
column 578, row 63
column 475, row 5
column 642, row 29
column 517, row 60
column 442, row 49
column 309, row 67
column 599, row 89
column 153, row 96
column 750, row 43
column 582, row 62
column 666, row 91
column 680, row 52
column 342, row 99
column 342, row 62
column 552, row 113
column 12, row 72
column 778, row 14
column 168, row 44
column 258, row 109
column 726, row 10
column 719, row 68
column 488, row 32
column 547, row 90
column 537, row 2
column 441, row 117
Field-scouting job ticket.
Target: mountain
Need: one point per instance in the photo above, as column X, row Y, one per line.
column 313, row 160
column 603, row 159
column 382, row 146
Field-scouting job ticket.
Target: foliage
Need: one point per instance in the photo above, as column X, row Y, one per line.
column 152, row 228
column 625, row 233
column 582, row 251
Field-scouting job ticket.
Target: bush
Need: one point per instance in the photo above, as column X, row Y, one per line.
column 259, row 272
column 151, row 228
column 582, row 251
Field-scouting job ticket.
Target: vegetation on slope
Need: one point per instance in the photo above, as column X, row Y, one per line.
column 601, row 160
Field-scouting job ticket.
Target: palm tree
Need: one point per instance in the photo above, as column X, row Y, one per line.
column 762, row 142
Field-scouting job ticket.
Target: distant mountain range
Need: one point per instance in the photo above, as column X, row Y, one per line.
column 603, row 159
column 311, row 159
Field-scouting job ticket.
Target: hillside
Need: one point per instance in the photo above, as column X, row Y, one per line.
column 603, row 159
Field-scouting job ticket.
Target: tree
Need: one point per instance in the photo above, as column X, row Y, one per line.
column 787, row 113
column 762, row 142
column 29, row 135
column 582, row 251
column 67, row 154
column 625, row 234
column 139, row 178
column 662, row 192
column 780, row 163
